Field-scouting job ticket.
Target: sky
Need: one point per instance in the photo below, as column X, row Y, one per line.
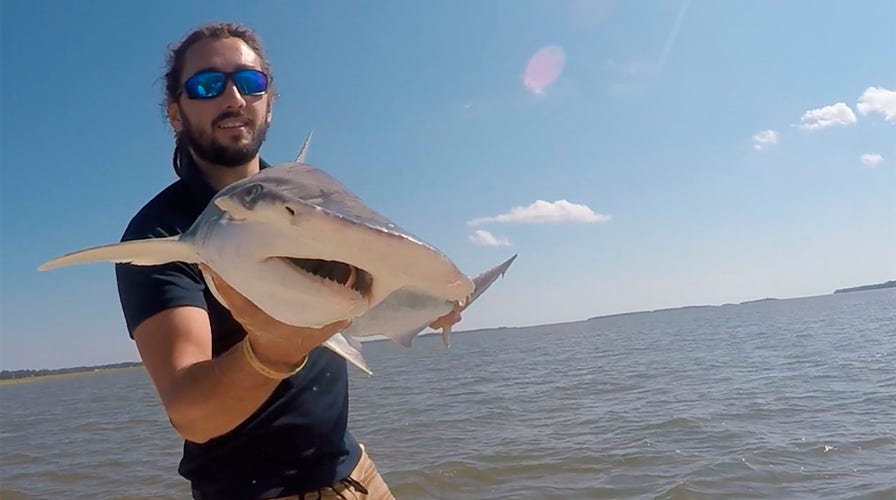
column 635, row 155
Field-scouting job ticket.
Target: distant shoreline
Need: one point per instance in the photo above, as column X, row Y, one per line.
column 863, row 288
column 9, row 377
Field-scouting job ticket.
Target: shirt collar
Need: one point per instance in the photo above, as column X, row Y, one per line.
column 202, row 191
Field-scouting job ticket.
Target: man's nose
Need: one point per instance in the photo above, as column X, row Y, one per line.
column 232, row 96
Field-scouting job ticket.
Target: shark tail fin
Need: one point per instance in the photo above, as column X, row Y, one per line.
column 485, row 279
column 146, row 252
column 482, row 282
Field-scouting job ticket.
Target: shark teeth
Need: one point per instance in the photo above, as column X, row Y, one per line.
column 352, row 277
column 339, row 273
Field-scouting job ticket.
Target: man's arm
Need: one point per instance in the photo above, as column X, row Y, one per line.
column 207, row 397
column 203, row 397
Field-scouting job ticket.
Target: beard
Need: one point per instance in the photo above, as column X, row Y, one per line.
column 209, row 149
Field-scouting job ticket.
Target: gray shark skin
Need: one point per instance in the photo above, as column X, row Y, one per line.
column 406, row 312
column 309, row 252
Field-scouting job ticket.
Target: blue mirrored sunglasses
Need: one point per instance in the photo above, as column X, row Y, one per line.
column 211, row 84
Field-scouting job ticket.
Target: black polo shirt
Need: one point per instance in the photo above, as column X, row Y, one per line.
column 298, row 439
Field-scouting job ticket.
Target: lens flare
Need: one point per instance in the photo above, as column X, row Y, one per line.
column 543, row 68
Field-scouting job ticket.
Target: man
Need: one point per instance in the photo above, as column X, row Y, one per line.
column 236, row 385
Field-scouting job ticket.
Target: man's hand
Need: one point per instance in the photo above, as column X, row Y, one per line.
column 449, row 319
column 277, row 345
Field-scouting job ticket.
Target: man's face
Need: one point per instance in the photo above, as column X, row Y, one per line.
column 226, row 130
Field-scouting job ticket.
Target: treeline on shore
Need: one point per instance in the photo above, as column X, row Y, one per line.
column 864, row 288
column 14, row 374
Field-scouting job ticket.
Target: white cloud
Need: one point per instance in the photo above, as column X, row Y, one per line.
column 835, row 114
column 487, row 239
column 543, row 211
column 878, row 100
column 764, row 139
column 872, row 159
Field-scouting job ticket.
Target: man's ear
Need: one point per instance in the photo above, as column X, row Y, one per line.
column 174, row 118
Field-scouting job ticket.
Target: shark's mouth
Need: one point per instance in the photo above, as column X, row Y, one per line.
column 338, row 272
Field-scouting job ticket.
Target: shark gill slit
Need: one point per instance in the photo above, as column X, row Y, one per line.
column 339, row 272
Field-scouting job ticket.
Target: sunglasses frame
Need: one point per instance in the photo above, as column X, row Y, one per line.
column 228, row 79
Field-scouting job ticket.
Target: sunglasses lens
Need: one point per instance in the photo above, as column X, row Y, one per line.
column 205, row 85
column 209, row 84
column 251, row 82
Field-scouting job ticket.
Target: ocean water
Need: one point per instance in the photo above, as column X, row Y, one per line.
column 778, row 399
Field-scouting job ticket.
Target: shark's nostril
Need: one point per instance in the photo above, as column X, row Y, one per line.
column 290, row 210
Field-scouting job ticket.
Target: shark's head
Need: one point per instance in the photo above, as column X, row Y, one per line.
column 266, row 216
column 240, row 201
column 331, row 240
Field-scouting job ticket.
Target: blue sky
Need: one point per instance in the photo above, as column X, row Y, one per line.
column 636, row 155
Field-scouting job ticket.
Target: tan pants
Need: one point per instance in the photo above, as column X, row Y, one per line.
column 365, row 474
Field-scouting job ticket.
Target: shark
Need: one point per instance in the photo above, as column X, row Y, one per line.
column 308, row 252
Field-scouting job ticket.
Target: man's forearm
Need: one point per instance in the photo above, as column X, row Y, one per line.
column 210, row 398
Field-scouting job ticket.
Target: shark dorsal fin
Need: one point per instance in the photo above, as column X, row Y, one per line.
column 300, row 158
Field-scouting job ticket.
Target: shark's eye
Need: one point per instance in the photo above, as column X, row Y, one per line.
column 251, row 194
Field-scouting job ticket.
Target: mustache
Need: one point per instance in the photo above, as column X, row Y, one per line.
column 229, row 115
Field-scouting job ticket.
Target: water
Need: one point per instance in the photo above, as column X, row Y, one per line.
column 782, row 399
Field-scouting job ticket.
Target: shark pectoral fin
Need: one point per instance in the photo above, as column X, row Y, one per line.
column 146, row 252
column 342, row 346
column 406, row 338
column 352, row 341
